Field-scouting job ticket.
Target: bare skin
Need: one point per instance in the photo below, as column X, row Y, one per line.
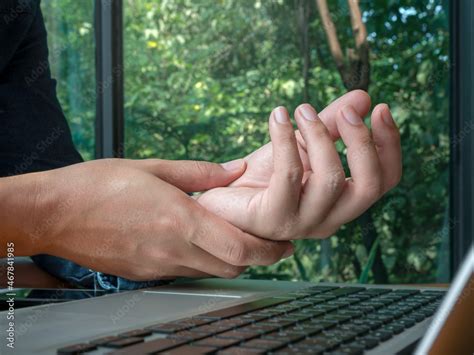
column 121, row 217
column 296, row 187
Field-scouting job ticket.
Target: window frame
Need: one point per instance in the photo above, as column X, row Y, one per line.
column 461, row 131
column 109, row 123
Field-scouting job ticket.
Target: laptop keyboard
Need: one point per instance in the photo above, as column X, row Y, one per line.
column 314, row 320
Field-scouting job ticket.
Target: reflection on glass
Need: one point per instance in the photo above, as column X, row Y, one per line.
column 202, row 77
column 72, row 58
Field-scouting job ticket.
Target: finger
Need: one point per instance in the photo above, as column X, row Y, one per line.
column 358, row 99
column 182, row 271
column 326, row 181
column 366, row 184
column 387, row 142
column 191, row 176
column 201, row 260
column 232, row 245
column 285, row 183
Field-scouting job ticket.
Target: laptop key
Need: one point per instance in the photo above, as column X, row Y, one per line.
column 121, row 343
column 243, row 308
column 104, row 340
column 382, row 335
column 342, row 336
column 151, row 347
column 217, row 342
column 191, row 350
column 76, row 349
column 236, row 334
column 417, row 316
column 349, row 350
column 292, row 349
column 265, row 344
column 321, row 342
column 240, row 351
column 260, row 328
column 213, row 328
column 360, row 330
column 394, row 328
column 136, row 333
column 287, row 337
column 187, row 335
column 345, row 291
column 368, row 341
column 167, row 328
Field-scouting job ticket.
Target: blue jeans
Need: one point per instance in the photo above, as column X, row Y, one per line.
column 82, row 277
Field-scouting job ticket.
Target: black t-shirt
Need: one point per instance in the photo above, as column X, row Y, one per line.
column 34, row 134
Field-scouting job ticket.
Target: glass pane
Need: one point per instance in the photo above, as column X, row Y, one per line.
column 202, row 78
column 72, row 58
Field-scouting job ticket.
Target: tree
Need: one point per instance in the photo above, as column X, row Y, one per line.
column 354, row 68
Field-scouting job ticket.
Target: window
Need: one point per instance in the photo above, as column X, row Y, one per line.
column 70, row 30
column 200, row 79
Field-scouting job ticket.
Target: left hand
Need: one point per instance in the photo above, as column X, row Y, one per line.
column 307, row 194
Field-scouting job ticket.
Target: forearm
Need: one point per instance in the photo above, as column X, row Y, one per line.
column 23, row 209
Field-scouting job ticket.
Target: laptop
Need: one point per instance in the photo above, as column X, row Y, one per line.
column 213, row 316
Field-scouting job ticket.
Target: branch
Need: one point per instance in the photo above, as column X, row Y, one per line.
column 359, row 59
column 358, row 27
column 331, row 35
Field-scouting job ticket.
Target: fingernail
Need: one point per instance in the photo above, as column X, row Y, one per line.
column 289, row 251
column 351, row 115
column 233, row 165
column 280, row 115
column 308, row 112
column 387, row 117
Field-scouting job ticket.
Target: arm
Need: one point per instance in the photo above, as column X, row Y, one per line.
column 21, row 207
column 131, row 218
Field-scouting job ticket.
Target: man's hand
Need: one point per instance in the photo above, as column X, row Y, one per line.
column 303, row 192
column 133, row 219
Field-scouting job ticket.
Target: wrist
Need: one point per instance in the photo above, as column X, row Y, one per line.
column 23, row 212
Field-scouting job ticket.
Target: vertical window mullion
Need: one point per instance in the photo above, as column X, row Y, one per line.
column 109, row 78
column 461, row 131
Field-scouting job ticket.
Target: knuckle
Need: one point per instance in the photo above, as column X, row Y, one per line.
column 373, row 189
column 293, row 174
column 394, row 180
column 287, row 139
column 139, row 273
column 169, row 222
column 203, row 169
column 231, row 272
column 366, row 141
column 324, row 233
column 320, row 131
column 268, row 253
column 237, row 253
column 334, row 180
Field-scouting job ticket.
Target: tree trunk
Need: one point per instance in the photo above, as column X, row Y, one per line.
column 303, row 13
column 354, row 68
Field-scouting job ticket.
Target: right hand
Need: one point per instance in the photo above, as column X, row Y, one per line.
column 132, row 218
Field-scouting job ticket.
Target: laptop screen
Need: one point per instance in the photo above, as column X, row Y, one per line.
column 451, row 329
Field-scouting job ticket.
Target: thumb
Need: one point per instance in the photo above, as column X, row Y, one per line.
column 192, row 175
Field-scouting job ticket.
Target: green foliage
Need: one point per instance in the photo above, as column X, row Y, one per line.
column 201, row 78
column 69, row 24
